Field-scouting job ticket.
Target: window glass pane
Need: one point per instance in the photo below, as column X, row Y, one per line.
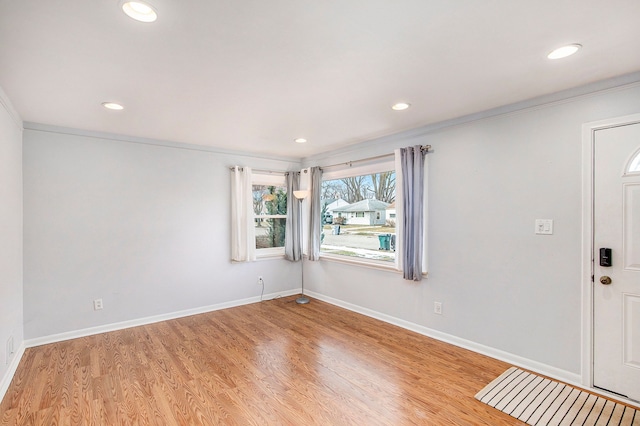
column 270, row 232
column 269, row 199
column 358, row 216
column 635, row 165
column 270, row 209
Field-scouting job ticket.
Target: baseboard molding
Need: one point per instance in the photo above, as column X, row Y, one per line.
column 544, row 369
column 13, row 366
column 568, row 377
column 537, row 367
column 150, row 320
column 11, row 371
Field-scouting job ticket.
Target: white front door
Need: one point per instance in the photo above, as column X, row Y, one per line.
column 616, row 291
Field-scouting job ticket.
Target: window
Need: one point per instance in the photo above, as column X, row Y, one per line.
column 634, row 165
column 357, row 203
column 270, row 213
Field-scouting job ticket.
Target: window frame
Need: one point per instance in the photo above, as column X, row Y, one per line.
column 379, row 166
column 269, row 179
column 632, row 167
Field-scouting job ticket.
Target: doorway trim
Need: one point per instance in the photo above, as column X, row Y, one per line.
column 587, row 288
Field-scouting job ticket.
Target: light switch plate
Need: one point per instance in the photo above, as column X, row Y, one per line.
column 544, row 226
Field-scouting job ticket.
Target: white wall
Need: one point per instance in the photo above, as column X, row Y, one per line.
column 145, row 228
column 11, row 317
column 142, row 226
column 500, row 285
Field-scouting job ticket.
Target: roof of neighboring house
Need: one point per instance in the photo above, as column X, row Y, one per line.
column 336, row 203
column 363, row 206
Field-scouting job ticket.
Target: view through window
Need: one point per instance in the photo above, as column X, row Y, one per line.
column 270, row 209
column 359, row 216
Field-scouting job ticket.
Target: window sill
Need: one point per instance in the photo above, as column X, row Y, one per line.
column 373, row 264
column 269, row 253
column 270, row 257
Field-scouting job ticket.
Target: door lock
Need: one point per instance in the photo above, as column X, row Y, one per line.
column 605, row 257
column 605, row 280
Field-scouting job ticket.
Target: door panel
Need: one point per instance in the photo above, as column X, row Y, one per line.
column 616, row 306
column 631, row 327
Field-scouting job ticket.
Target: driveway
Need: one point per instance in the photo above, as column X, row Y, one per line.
column 366, row 246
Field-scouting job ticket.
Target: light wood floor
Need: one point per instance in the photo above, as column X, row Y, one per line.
column 269, row 363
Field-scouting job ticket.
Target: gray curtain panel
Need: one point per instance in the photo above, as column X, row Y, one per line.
column 412, row 162
column 315, row 213
column 292, row 248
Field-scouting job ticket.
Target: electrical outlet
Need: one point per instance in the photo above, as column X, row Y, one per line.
column 437, row 308
column 97, row 304
column 260, row 280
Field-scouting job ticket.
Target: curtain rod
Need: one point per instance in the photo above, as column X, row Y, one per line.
column 424, row 148
column 273, row 172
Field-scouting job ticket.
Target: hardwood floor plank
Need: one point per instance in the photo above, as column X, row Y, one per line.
column 271, row 363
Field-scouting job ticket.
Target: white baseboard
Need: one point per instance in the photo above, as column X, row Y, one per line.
column 537, row 367
column 568, row 377
column 8, row 377
column 150, row 320
column 11, row 371
column 547, row 370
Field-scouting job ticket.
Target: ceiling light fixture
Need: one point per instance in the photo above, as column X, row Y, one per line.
column 564, row 51
column 112, row 105
column 400, row 106
column 139, row 10
column 300, row 140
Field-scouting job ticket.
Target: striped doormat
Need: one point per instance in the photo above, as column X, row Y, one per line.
column 539, row 401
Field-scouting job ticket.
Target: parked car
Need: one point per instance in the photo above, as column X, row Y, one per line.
column 327, row 218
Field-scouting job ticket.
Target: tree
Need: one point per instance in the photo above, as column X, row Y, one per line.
column 355, row 188
column 384, row 186
column 276, row 204
column 258, row 203
column 332, row 190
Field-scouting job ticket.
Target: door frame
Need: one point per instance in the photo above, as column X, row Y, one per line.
column 588, row 285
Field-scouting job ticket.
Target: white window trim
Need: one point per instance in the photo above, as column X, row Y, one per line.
column 271, row 179
column 384, row 165
column 378, row 167
column 359, row 261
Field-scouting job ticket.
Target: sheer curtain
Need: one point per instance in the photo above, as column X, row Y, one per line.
column 315, row 213
column 410, row 226
column 243, row 248
column 292, row 248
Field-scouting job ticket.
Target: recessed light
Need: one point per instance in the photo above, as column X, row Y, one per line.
column 300, row 140
column 564, row 51
column 400, row 106
column 139, row 10
column 112, row 105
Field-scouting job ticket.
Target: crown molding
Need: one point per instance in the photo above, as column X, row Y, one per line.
column 6, row 103
column 39, row 127
column 384, row 144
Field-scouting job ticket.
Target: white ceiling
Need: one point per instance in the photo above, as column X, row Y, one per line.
column 252, row 75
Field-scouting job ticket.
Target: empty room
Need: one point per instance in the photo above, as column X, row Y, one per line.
column 319, row 213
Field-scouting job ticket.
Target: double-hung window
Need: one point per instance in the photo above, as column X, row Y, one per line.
column 270, row 213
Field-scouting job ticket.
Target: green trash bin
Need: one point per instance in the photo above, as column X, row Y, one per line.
column 385, row 241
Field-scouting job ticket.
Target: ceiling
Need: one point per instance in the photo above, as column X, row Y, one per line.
column 253, row 75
